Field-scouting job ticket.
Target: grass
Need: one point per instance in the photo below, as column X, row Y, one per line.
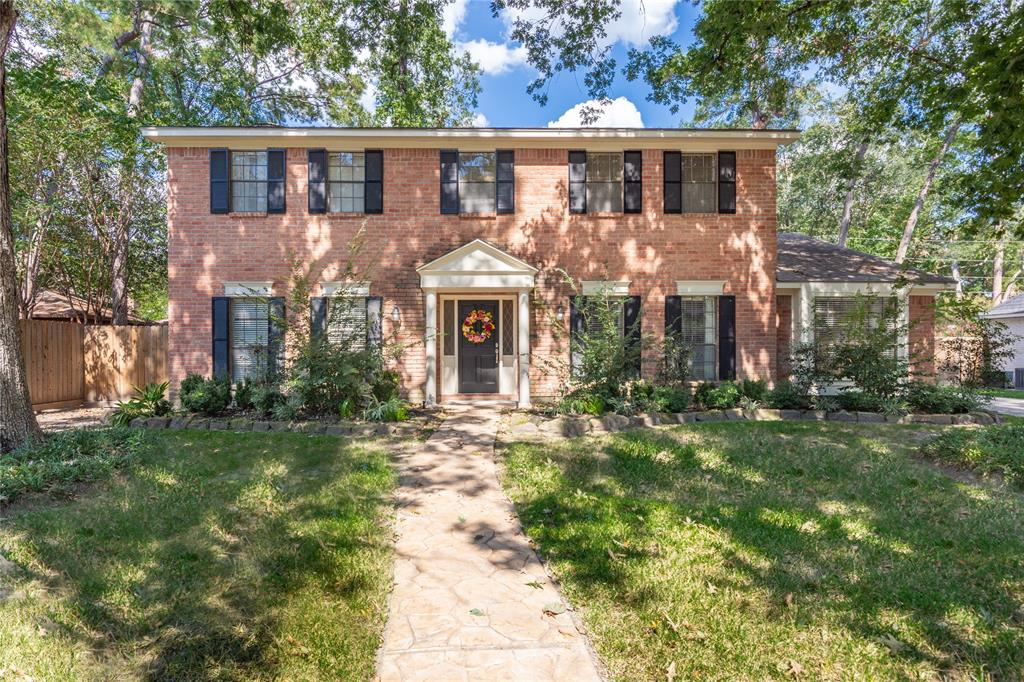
column 777, row 550
column 1002, row 393
column 215, row 556
column 991, row 450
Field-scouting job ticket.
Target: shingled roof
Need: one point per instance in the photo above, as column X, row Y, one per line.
column 1013, row 307
column 806, row 259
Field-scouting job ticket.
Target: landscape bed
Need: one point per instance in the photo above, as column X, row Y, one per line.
column 767, row 550
column 214, row 556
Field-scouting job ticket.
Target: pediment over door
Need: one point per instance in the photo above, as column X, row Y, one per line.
column 477, row 265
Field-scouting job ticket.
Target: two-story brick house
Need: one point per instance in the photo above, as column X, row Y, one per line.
column 680, row 223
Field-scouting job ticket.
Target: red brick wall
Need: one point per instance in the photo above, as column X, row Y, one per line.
column 922, row 335
column 650, row 249
column 783, row 333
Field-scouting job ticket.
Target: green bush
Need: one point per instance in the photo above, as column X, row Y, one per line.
column 148, row 401
column 930, row 398
column 724, row 396
column 671, row 399
column 243, row 394
column 787, row 396
column 385, row 385
column 991, row 449
column 62, row 459
column 207, row 396
column 265, row 398
column 582, row 403
column 859, row 401
column 392, row 410
column 754, row 389
column 604, row 360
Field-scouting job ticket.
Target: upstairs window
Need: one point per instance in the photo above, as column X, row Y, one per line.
column 346, row 180
column 604, row 182
column 478, row 174
column 699, row 181
column 249, row 182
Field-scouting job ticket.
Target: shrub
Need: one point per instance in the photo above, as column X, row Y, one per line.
column 991, row 449
column 266, row 397
column 148, row 401
column 721, row 397
column 671, row 399
column 392, row 410
column 930, row 398
column 385, row 385
column 208, row 396
column 787, row 396
column 583, row 403
column 243, row 394
column 604, row 359
column 754, row 389
column 859, row 401
column 62, row 459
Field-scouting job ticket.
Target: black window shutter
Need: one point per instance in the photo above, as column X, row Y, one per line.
column 576, row 327
column 275, row 335
column 374, row 330
column 632, row 182
column 317, row 315
column 449, row 181
column 726, row 182
column 317, row 181
column 220, row 312
column 275, row 180
column 673, row 182
column 726, row 337
column 506, row 184
column 220, row 194
column 673, row 315
column 631, row 322
column 373, row 189
column 577, row 182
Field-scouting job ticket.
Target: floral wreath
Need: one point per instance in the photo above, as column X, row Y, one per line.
column 486, row 321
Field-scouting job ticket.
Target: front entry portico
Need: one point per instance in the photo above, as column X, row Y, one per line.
column 477, row 277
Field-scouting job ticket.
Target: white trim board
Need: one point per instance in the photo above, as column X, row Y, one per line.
column 601, row 288
column 247, row 289
column 361, row 289
column 700, row 287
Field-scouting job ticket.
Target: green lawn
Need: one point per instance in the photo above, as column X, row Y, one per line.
column 215, row 556
column 1002, row 393
column 777, row 550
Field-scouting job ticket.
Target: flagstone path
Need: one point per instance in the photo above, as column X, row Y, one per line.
column 471, row 599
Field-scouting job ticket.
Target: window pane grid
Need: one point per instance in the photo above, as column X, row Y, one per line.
column 347, row 321
column 699, row 330
column 604, row 182
column 698, row 183
column 249, row 181
column 477, row 175
column 832, row 313
column 346, row 176
column 507, row 340
column 448, row 326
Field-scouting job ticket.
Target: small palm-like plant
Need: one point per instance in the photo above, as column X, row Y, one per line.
column 148, row 401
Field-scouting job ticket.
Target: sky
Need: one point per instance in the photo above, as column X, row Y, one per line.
column 505, row 73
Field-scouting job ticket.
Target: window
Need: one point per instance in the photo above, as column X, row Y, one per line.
column 699, row 182
column 477, row 176
column 699, row 331
column 346, row 321
column 604, row 182
column 346, row 175
column 833, row 313
column 249, row 181
column 250, row 338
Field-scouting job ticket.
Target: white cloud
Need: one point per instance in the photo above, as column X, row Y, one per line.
column 616, row 113
column 641, row 20
column 368, row 99
column 452, row 17
column 479, row 121
column 494, row 58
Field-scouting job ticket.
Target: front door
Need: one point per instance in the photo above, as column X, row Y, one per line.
column 478, row 346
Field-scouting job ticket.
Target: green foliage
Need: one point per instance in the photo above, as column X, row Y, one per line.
column 787, row 396
column 723, row 396
column 346, row 409
column 991, row 449
column 583, row 403
column 207, row 396
column 674, row 367
column 754, row 389
column 265, row 397
column 605, row 357
column 930, row 398
column 978, row 350
column 148, row 401
column 65, row 458
column 671, row 399
column 859, row 401
column 243, row 394
column 391, row 410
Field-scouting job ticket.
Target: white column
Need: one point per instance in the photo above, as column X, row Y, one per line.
column 430, row 341
column 805, row 332
column 524, row 348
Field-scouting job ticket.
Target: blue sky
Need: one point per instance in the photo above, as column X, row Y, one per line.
column 504, row 100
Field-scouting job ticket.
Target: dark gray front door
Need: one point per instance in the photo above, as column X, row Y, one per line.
column 478, row 362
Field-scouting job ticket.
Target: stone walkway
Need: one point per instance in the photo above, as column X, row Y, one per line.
column 471, row 599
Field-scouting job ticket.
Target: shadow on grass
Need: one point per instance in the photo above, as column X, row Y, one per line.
column 840, row 521
column 224, row 556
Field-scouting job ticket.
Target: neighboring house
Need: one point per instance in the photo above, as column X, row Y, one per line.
column 681, row 224
column 55, row 306
column 1011, row 313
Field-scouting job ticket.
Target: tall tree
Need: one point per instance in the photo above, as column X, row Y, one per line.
column 17, row 420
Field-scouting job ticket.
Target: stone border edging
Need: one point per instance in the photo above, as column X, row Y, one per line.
column 242, row 425
column 574, row 427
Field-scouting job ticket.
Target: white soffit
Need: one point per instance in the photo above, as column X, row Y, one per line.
column 345, row 288
column 243, row 289
column 700, row 287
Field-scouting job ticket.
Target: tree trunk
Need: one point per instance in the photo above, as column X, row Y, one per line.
column 17, row 421
column 844, row 224
column 915, row 213
column 955, row 267
column 997, row 268
column 141, row 62
column 32, row 258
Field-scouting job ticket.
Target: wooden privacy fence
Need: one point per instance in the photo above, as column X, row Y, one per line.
column 70, row 364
